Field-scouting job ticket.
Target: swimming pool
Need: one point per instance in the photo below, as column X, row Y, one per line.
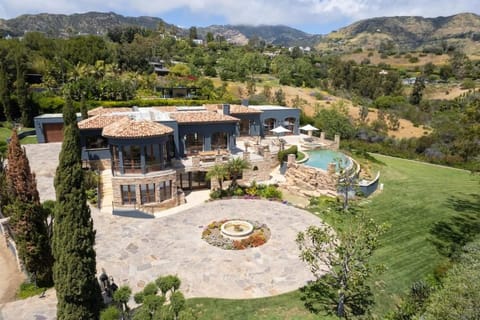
column 321, row 158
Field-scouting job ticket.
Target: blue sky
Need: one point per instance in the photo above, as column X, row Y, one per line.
column 313, row 16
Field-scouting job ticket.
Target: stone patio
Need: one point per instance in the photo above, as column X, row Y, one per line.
column 136, row 250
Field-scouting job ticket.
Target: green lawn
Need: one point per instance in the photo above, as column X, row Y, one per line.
column 285, row 306
column 6, row 133
column 422, row 203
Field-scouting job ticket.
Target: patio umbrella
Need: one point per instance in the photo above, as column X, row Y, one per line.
column 280, row 130
column 309, row 128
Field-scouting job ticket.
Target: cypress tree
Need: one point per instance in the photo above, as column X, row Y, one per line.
column 21, row 87
column 4, row 93
column 27, row 218
column 78, row 291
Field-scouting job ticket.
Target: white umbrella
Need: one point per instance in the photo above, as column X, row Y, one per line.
column 280, row 129
column 308, row 127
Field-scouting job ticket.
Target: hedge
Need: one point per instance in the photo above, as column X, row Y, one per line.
column 283, row 155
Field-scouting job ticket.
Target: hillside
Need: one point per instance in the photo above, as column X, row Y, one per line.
column 311, row 105
column 60, row 25
column 278, row 34
column 384, row 33
column 408, row 33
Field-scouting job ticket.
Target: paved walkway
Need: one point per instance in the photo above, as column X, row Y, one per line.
column 135, row 251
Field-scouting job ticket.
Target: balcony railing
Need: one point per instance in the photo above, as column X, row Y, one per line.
column 136, row 167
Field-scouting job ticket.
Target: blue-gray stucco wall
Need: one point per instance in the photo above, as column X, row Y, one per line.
column 280, row 115
column 255, row 122
column 39, row 121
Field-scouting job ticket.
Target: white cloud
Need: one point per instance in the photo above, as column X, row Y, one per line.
column 289, row 12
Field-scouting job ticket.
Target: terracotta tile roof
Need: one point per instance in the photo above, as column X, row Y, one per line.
column 201, row 117
column 239, row 109
column 128, row 128
column 103, row 110
column 100, row 121
column 234, row 108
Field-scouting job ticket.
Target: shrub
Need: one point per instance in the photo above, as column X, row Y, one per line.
column 216, row 194
column 413, row 60
column 468, row 84
column 150, row 289
column 111, row 313
column 92, row 195
column 139, row 297
column 29, row 290
column 238, row 192
column 282, row 155
column 271, row 192
column 252, row 190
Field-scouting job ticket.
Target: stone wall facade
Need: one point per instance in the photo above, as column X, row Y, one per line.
column 137, row 180
column 310, row 182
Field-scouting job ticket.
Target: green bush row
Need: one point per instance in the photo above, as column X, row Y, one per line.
column 255, row 190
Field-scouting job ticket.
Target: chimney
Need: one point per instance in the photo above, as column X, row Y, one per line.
column 245, row 102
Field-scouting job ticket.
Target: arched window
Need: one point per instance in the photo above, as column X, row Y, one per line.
column 269, row 124
column 289, row 123
column 219, row 140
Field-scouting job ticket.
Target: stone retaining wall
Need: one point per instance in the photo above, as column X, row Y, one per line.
column 309, row 182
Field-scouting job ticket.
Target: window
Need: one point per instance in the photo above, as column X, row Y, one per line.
column 245, row 126
column 96, row 142
column 289, row 123
column 152, row 158
column 128, row 194
column 165, row 190
column 147, row 193
column 193, row 143
column 219, row 140
column 131, row 159
column 268, row 125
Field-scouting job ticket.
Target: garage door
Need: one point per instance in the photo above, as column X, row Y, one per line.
column 53, row 132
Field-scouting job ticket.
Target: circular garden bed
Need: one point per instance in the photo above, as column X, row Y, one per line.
column 212, row 234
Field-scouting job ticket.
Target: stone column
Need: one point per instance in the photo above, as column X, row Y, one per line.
column 337, row 141
column 322, row 136
column 291, row 159
column 196, row 161
column 331, row 169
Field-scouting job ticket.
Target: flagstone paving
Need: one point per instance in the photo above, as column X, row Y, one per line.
column 135, row 251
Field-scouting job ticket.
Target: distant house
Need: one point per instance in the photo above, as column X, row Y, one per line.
column 159, row 68
column 198, row 42
column 409, row 81
column 178, row 92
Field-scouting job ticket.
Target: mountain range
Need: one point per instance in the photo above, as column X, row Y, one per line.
column 409, row 32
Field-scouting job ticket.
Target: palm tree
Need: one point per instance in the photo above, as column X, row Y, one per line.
column 219, row 172
column 235, row 168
